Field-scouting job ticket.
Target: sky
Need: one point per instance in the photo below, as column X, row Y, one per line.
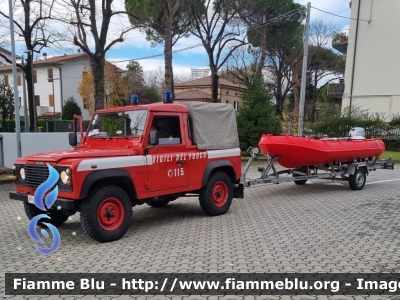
column 136, row 46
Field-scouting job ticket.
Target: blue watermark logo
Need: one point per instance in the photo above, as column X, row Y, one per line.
column 49, row 200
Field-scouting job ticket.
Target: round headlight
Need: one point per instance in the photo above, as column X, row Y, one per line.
column 64, row 177
column 22, row 173
column 14, row 167
column 68, row 171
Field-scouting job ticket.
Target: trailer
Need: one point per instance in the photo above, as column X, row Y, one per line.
column 355, row 172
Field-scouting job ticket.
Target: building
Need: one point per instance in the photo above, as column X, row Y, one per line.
column 201, row 90
column 372, row 57
column 8, row 54
column 65, row 72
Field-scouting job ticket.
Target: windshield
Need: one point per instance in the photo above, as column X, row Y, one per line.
column 126, row 123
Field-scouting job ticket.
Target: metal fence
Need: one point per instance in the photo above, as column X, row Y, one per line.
column 384, row 131
column 43, row 126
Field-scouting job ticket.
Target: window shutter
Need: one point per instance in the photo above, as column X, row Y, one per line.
column 19, row 79
column 34, row 76
column 51, row 100
column 50, row 75
column 37, row 100
column 6, row 79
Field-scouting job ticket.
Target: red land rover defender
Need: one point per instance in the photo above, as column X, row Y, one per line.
column 139, row 154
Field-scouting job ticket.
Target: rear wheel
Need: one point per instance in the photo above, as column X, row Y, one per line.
column 216, row 197
column 57, row 218
column 158, row 204
column 357, row 181
column 106, row 214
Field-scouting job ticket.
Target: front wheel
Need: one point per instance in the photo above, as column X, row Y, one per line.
column 57, row 218
column 106, row 214
column 357, row 181
column 216, row 197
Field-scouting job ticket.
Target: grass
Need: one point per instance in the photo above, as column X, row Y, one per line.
column 394, row 155
column 6, row 176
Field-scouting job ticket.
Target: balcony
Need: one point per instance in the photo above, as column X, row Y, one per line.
column 336, row 90
column 340, row 41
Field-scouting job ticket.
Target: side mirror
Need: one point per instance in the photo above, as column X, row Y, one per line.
column 73, row 139
column 153, row 138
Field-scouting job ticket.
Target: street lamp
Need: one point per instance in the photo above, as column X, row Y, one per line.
column 14, row 74
column 54, row 101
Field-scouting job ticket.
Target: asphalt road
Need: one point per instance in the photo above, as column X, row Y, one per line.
column 322, row 226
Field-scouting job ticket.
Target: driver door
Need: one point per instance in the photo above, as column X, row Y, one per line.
column 166, row 168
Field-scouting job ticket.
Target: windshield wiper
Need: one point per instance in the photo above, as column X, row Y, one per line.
column 96, row 135
column 117, row 134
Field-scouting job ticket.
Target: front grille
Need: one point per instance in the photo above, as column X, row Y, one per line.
column 35, row 176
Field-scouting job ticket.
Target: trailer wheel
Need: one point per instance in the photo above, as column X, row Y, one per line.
column 106, row 214
column 357, row 181
column 158, row 203
column 57, row 217
column 216, row 197
column 299, row 182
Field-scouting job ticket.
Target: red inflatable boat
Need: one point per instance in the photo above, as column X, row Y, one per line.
column 303, row 151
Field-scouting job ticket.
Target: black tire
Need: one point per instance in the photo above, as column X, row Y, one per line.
column 158, row 204
column 357, row 181
column 299, row 182
column 106, row 213
column 216, row 197
column 57, row 217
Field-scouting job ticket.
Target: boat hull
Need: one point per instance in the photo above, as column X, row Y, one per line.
column 303, row 151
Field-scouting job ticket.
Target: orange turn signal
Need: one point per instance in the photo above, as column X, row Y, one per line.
column 15, row 177
column 69, row 182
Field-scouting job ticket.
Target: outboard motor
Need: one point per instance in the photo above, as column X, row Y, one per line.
column 357, row 132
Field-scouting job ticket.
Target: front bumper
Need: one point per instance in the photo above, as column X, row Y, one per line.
column 63, row 203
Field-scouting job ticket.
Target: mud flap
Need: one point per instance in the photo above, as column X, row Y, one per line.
column 351, row 169
column 238, row 191
column 389, row 164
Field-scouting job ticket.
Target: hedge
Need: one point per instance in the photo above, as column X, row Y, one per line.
column 389, row 132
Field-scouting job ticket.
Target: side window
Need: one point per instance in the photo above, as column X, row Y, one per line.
column 169, row 130
column 189, row 122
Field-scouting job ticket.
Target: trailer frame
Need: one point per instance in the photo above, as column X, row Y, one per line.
column 354, row 172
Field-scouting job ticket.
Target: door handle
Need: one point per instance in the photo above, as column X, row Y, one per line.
column 180, row 162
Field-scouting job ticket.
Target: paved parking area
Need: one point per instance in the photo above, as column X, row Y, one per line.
column 322, row 226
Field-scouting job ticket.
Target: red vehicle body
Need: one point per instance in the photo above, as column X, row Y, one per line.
column 303, row 151
column 110, row 171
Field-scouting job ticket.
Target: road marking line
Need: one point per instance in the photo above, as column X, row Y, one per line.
column 383, row 181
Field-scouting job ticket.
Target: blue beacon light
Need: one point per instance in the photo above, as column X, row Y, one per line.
column 168, row 97
column 134, row 99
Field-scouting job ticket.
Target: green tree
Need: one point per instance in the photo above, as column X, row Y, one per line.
column 326, row 105
column 257, row 116
column 70, row 109
column 163, row 21
column 274, row 31
column 134, row 78
column 6, row 103
column 274, row 35
column 323, row 63
column 150, row 95
column 215, row 24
